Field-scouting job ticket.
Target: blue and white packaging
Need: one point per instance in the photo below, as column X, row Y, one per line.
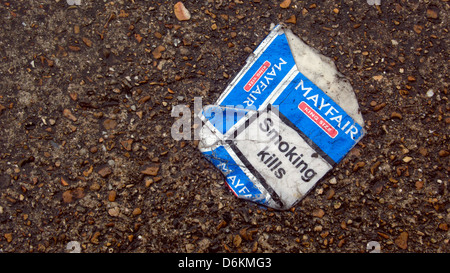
column 286, row 119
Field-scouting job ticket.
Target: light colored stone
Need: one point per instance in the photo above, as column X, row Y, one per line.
column 181, row 12
column 151, row 170
column 285, row 4
column 114, row 212
column 68, row 114
column 190, row 248
column 104, row 172
column 402, row 240
column 109, row 124
column 318, row 213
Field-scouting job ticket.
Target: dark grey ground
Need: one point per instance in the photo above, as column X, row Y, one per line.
column 76, row 174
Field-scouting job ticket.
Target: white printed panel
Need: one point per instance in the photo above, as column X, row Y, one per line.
column 281, row 156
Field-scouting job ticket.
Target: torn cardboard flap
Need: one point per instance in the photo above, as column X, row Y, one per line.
column 282, row 123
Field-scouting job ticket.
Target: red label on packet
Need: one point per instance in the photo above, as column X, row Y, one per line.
column 257, row 75
column 318, row 119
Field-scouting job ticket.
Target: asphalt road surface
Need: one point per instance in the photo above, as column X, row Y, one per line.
column 86, row 154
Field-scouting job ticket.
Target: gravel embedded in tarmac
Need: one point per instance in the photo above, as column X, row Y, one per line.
column 86, row 153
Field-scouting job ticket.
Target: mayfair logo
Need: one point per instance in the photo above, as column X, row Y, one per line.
column 257, row 75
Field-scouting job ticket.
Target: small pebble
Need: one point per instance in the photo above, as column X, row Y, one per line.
column 378, row 77
column 330, row 194
column 237, row 241
column 181, row 12
column 419, row 185
column 337, row 205
column 417, row 29
column 114, row 212
column 333, row 181
column 8, row 237
column 402, row 240
column 407, row 159
column 137, row 211
column 292, row 20
column 74, row 2
column 64, row 182
column 157, row 53
column 148, row 181
column 379, row 106
column 318, row 213
column 104, row 172
column 76, row 29
column 190, row 248
column 109, row 124
column 285, row 4
column 151, row 170
column 112, row 196
column 396, row 115
column 68, row 114
column 73, row 247
column 432, row 14
column 87, row 42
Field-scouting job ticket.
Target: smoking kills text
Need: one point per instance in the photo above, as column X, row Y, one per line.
column 290, row 152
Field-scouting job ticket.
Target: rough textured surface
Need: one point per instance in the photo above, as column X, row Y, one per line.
column 85, row 102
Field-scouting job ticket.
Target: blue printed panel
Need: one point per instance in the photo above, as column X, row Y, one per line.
column 319, row 117
column 237, row 180
column 261, row 78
